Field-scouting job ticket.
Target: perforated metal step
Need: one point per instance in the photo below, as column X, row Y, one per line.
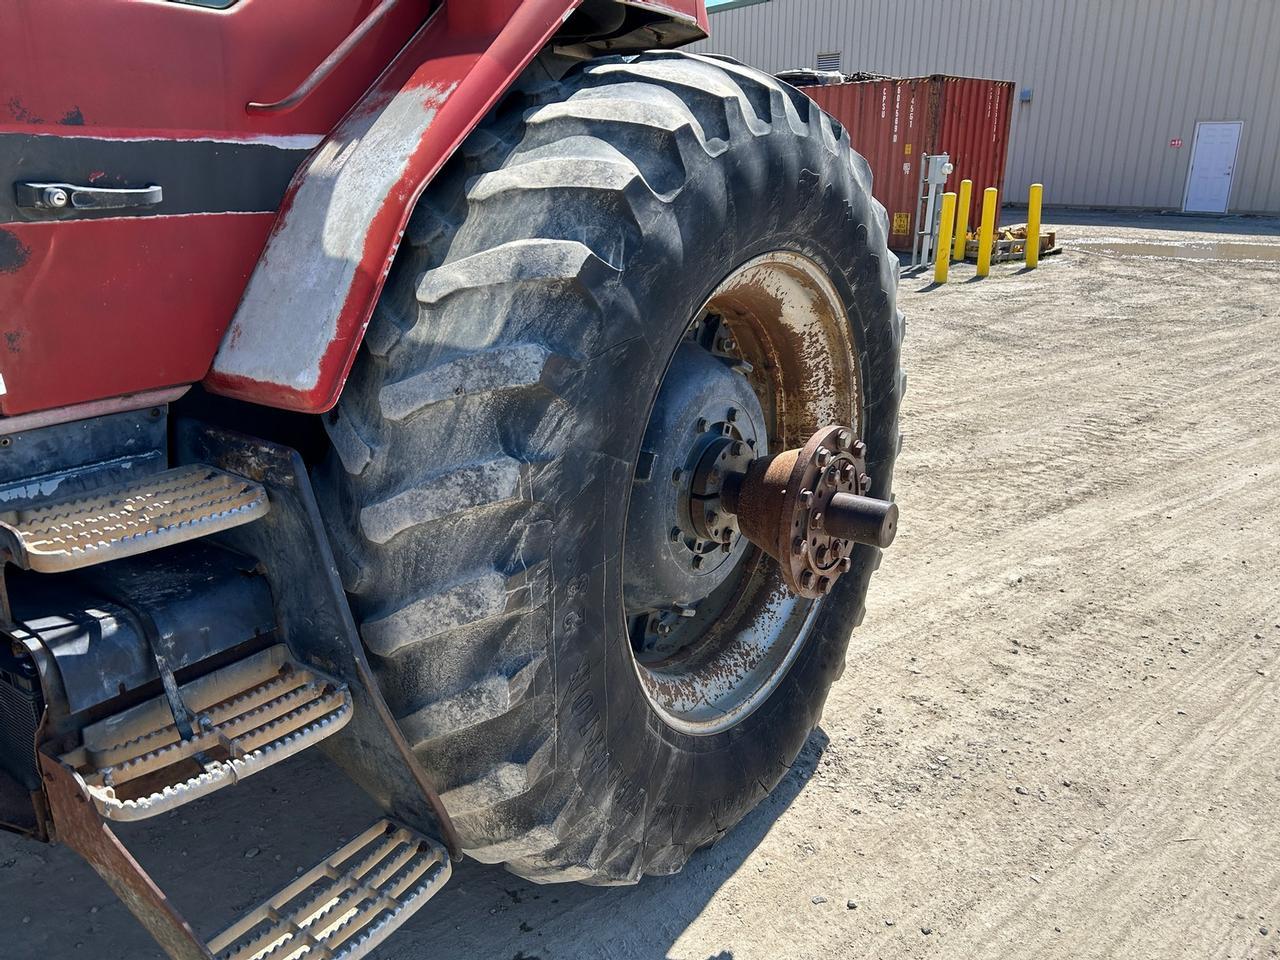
column 346, row 906
column 244, row 718
column 154, row 512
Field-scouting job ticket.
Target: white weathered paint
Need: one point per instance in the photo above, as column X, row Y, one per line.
column 665, row 8
column 289, row 313
column 151, row 218
column 295, row 141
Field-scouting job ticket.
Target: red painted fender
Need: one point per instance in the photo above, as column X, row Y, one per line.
column 303, row 315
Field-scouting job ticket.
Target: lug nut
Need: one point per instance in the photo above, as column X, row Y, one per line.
column 815, row 520
column 859, row 449
column 821, row 554
column 846, row 472
column 702, row 424
column 822, row 457
column 846, row 564
column 824, row 585
column 698, row 562
column 864, row 483
column 732, row 415
column 726, row 547
column 806, row 498
column 800, row 546
column 674, row 534
column 728, row 344
column 806, row 579
column 843, row 439
column 664, row 629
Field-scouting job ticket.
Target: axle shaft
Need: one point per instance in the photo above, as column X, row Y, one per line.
column 862, row 519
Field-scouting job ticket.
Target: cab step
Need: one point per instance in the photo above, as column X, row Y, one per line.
column 150, row 513
column 243, row 719
column 347, row 905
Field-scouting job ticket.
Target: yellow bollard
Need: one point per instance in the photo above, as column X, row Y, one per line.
column 987, row 234
column 942, row 255
column 1034, row 200
column 962, row 218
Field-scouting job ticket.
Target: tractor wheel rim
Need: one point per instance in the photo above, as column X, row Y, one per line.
column 726, row 647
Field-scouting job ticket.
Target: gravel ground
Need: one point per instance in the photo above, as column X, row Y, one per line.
column 1059, row 731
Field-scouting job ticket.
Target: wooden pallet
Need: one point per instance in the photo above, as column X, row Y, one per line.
column 1014, row 249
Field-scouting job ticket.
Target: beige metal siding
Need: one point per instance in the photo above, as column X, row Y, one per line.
column 1113, row 82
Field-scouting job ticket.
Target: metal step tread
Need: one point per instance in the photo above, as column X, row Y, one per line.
column 347, row 905
column 153, row 512
column 244, row 718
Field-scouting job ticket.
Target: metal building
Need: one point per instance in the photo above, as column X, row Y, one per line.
column 1158, row 104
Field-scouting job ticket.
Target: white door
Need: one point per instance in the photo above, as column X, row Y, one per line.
column 1213, row 158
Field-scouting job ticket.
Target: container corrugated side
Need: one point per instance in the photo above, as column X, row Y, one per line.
column 893, row 122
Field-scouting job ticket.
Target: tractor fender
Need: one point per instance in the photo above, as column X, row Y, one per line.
column 308, row 302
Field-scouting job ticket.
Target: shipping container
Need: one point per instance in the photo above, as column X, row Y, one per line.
column 893, row 121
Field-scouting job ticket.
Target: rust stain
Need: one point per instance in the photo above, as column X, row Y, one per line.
column 14, row 254
column 18, row 110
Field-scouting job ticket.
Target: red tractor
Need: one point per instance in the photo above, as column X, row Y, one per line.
column 481, row 390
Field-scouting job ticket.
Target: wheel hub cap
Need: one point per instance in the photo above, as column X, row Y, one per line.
column 682, row 543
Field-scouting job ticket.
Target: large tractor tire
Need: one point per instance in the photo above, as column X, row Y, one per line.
column 647, row 251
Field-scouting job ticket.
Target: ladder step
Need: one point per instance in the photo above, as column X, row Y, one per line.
column 347, row 905
column 147, row 514
column 244, row 718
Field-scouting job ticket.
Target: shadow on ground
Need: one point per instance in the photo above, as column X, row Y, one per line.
column 217, row 859
column 1172, row 220
column 486, row 912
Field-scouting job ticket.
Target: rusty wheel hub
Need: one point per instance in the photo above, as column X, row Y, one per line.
column 807, row 508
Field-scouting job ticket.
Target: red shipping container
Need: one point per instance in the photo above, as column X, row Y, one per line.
column 893, row 121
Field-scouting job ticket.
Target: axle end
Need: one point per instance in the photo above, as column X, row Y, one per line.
column 862, row 519
column 807, row 508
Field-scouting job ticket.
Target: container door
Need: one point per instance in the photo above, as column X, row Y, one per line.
column 1213, row 159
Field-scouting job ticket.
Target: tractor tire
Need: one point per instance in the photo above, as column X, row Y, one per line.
column 488, row 438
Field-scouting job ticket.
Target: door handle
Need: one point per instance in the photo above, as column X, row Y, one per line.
column 70, row 196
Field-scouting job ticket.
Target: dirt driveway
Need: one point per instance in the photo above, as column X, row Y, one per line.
column 1059, row 730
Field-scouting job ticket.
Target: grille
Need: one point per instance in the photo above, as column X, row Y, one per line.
column 830, row 60
column 20, row 708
